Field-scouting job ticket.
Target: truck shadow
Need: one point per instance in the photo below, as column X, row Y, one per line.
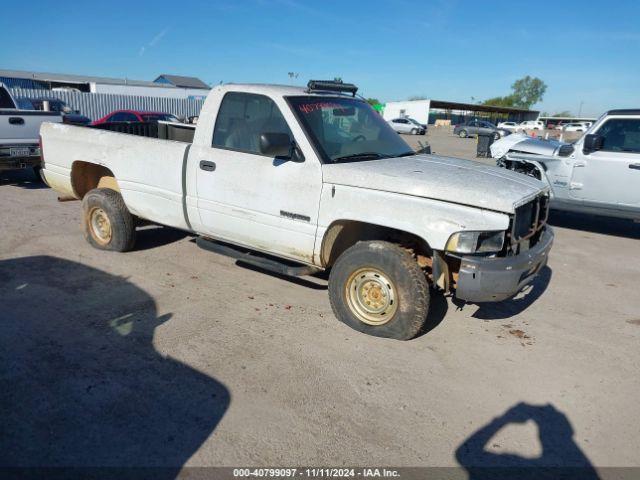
column 619, row 227
column 21, row 178
column 438, row 307
column 514, row 306
column 561, row 457
column 151, row 236
column 81, row 384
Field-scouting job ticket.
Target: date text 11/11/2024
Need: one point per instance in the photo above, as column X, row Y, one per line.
column 315, row 472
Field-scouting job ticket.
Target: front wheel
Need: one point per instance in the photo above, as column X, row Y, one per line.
column 377, row 288
column 108, row 224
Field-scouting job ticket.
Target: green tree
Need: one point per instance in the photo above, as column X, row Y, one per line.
column 508, row 101
column 526, row 92
column 373, row 101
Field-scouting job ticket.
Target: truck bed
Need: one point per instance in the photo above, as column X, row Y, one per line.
column 149, row 171
column 179, row 132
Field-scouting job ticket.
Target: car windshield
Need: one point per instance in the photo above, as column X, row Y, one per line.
column 415, row 122
column 156, row 117
column 347, row 129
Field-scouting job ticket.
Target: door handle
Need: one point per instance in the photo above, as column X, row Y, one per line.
column 634, row 166
column 579, row 164
column 16, row 120
column 207, row 166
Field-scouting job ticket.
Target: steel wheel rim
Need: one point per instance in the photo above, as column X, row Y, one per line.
column 100, row 225
column 371, row 296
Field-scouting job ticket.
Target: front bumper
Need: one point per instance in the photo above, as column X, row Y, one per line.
column 485, row 279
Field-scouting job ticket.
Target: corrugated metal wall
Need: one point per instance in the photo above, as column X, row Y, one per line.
column 97, row 105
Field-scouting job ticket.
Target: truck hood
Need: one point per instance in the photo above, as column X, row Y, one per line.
column 440, row 178
column 523, row 143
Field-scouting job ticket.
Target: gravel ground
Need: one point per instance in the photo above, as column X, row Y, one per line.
column 171, row 355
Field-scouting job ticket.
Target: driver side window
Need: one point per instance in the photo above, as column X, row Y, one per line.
column 621, row 135
column 241, row 120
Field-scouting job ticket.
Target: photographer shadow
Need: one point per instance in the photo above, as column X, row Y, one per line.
column 561, row 457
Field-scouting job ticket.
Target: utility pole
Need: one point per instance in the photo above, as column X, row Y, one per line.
column 580, row 109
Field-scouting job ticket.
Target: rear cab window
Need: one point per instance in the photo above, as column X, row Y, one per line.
column 5, row 99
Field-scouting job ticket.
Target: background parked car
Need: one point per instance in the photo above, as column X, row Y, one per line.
column 575, row 127
column 407, row 125
column 511, row 126
column 136, row 116
column 69, row 115
column 475, row 127
column 530, row 125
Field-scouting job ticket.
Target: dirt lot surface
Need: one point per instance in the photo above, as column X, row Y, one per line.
column 171, row 355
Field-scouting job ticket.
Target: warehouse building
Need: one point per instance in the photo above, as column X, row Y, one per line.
column 165, row 86
column 452, row 113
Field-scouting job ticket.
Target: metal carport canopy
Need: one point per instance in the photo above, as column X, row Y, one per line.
column 474, row 107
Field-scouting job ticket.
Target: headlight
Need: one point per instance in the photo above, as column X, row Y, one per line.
column 475, row 242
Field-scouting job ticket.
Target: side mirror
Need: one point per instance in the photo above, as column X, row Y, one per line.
column 592, row 143
column 278, row 145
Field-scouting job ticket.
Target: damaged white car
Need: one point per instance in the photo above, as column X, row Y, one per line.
column 598, row 174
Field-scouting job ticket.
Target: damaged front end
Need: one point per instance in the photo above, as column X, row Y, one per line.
column 490, row 277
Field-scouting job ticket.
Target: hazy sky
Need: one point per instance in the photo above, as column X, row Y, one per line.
column 586, row 51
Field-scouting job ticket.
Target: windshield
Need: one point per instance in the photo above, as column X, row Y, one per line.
column 347, row 129
column 155, row 117
column 415, row 122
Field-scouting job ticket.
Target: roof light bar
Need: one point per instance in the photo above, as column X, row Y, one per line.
column 331, row 86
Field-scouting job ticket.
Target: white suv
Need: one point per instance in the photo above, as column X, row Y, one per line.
column 511, row 126
column 530, row 125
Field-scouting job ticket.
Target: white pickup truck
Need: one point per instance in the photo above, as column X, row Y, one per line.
column 19, row 146
column 299, row 180
column 597, row 174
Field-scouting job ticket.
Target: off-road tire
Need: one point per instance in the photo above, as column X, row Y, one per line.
column 408, row 280
column 122, row 223
column 463, row 134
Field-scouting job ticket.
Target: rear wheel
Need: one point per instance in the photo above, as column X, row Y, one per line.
column 462, row 134
column 108, row 224
column 414, row 131
column 377, row 288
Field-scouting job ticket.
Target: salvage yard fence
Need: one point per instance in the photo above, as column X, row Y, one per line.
column 97, row 105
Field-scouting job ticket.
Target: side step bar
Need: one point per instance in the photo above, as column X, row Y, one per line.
column 280, row 267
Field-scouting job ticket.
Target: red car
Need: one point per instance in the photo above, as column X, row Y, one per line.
column 136, row 116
